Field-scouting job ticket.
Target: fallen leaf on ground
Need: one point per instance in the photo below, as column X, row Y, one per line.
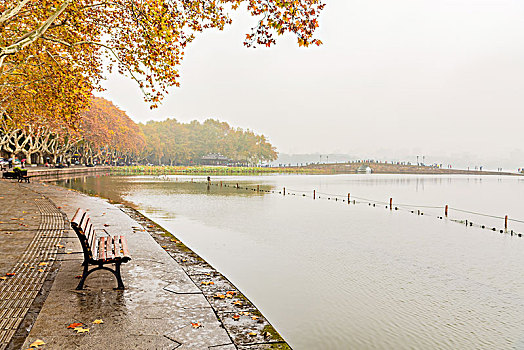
column 244, row 313
column 3, row 278
column 10, row 274
column 236, row 317
column 219, row 296
column 106, row 225
column 37, row 343
column 42, row 264
column 254, row 317
column 40, row 270
column 60, row 246
column 196, row 324
column 74, row 325
column 238, row 303
column 231, row 292
column 81, row 330
column 252, row 334
column 98, row 321
column 78, row 276
column 206, row 283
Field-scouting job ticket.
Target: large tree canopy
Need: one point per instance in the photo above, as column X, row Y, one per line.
column 144, row 39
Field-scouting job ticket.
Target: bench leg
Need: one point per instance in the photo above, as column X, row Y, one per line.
column 85, row 273
column 118, row 276
column 115, row 272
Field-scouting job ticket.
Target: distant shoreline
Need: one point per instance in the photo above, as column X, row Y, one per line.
column 389, row 168
column 312, row 169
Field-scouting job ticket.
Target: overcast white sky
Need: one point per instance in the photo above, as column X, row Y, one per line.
column 394, row 78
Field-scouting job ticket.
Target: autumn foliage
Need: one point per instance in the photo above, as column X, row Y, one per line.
column 170, row 142
column 53, row 52
column 107, row 135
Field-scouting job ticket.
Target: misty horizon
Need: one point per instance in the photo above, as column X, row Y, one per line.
column 393, row 80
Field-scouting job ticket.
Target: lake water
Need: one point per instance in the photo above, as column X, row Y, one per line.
column 329, row 275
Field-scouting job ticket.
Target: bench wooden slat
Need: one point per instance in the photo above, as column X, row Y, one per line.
column 109, row 246
column 85, row 222
column 124, row 247
column 102, row 249
column 92, row 243
column 77, row 218
column 89, row 231
column 116, row 247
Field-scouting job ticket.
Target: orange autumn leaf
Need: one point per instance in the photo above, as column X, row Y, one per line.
column 196, row 324
column 74, row 325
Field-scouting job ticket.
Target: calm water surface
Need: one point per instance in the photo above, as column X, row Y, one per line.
column 334, row 276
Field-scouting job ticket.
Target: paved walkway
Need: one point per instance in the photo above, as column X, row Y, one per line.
column 156, row 311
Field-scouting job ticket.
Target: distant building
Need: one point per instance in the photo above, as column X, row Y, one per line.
column 364, row 169
column 214, row 159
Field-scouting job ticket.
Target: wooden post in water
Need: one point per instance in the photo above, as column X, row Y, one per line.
column 237, row 186
column 284, row 191
column 506, row 222
column 348, row 198
column 446, row 211
column 258, row 188
column 314, row 194
column 391, row 204
column 220, row 183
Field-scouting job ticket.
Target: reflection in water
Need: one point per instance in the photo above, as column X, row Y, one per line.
column 334, row 276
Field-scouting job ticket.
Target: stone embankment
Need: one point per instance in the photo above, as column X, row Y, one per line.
column 61, row 172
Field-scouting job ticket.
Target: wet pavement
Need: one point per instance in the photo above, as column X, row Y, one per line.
column 173, row 299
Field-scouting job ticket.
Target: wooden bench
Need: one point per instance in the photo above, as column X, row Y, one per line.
column 20, row 175
column 99, row 250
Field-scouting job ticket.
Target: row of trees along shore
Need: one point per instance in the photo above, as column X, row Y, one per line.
column 54, row 54
column 108, row 136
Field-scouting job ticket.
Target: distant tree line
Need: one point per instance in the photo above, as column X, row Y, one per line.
column 173, row 143
column 106, row 135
